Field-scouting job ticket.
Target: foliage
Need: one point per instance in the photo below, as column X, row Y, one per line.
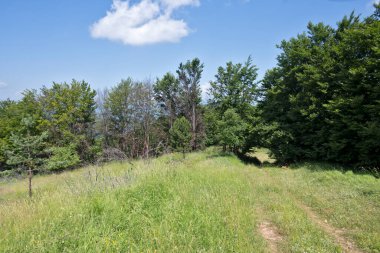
column 26, row 150
column 166, row 93
column 233, row 94
column 211, row 118
column 12, row 114
column 62, row 158
column 189, row 77
column 68, row 112
column 323, row 95
column 129, row 119
column 231, row 130
column 235, row 88
column 180, row 135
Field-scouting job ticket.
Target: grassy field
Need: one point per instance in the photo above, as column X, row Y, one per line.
column 208, row 202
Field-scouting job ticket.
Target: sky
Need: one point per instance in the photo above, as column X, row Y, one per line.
column 104, row 41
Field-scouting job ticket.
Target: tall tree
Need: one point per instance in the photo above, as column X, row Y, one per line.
column 166, row 93
column 232, row 129
column 189, row 76
column 68, row 112
column 131, row 113
column 235, row 87
column 321, row 99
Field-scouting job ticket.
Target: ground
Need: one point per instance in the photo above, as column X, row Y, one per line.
column 207, row 202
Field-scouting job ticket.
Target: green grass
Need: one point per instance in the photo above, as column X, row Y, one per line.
column 205, row 203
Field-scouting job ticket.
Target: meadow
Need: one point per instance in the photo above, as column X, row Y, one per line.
column 206, row 202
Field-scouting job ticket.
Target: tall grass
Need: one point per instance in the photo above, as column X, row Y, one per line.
column 204, row 203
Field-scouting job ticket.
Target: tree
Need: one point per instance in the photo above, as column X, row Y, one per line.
column 62, row 158
column 11, row 120
column 321, row 101
column 180, row 135
column 145, row 110
column 211, row 118
column 235, row 87
column 68, row 113
column 117, row 106
column 131, row 113
column 232, row 129
column 166, row 94
column 26, row 149
column 189, row 76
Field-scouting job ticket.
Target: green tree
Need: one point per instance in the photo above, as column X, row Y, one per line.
column 62, row 158
column 321, row 100
column 68, row 113
column 232, row 129
column 166, row 93
column 189, row 76
column 180, row 135
column 235, row 87
column 26, row 150
column 11, row 115
column 211, row 119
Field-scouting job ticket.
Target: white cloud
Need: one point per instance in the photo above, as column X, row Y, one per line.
column 3, row 85
column 146, row 22
column 174, row 4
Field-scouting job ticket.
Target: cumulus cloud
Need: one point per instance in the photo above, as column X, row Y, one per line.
column 145, row 22
column 3, row 85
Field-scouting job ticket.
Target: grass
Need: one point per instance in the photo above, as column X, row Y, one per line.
column 205, row 203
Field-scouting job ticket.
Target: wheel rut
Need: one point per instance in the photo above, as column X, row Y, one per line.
column 273, row 237
column 336, row 234
column 270, row 233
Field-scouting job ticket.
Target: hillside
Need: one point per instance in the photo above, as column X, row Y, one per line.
column 207, row 202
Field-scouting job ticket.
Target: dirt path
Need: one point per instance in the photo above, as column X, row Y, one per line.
column 271, row 235
column 337, row 234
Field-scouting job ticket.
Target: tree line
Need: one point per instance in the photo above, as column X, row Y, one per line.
column 321, row 102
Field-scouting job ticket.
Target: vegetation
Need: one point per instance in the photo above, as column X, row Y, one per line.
column 322, row 98
column 26, row 149
column 180, row 135
column 308, row 127
column 208, row 202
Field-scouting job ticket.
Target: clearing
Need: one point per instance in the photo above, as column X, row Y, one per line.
column 207, row 202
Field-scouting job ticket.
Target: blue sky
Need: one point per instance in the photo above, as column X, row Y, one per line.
column 103, row 41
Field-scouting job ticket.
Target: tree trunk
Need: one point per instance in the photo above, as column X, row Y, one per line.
column 30, row 175
column 146, row 147
column 171, row 116
column 193, row 124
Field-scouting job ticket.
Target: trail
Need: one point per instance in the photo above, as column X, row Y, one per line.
column 337, row 234
column 271, row 235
